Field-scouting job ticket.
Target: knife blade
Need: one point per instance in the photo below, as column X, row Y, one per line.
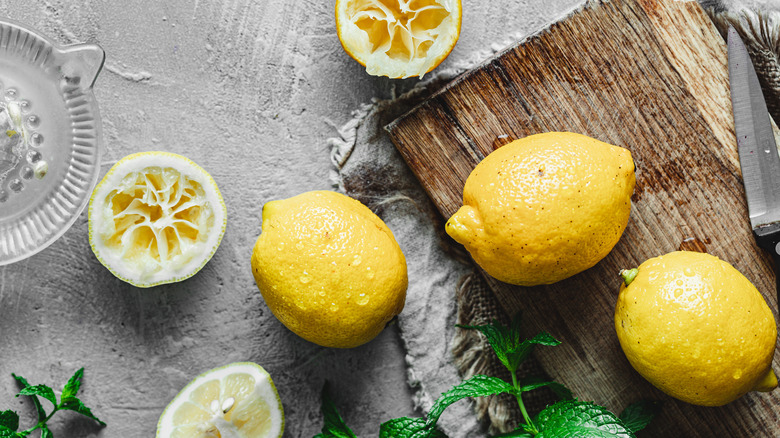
column 758, row 155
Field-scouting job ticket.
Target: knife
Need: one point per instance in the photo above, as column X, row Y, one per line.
column 758, row 155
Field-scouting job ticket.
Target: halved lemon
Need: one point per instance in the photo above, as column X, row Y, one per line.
column 155, row 218
column 234, row 401
column 398, row 38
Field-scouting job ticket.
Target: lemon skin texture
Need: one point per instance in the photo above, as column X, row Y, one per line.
column 329, row 269
column 545, row 207
column 697, row 329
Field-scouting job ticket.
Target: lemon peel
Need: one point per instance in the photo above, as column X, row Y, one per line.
column 238, row 400
column 155, row 218
column 697, row 329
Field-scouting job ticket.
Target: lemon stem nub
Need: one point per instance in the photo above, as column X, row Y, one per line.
column 629, row 275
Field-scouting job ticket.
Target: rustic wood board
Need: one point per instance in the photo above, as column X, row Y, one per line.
column 649, row 75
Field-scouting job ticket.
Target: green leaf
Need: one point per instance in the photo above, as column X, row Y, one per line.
column 477, row 386
column 46, row 433
column 37, row 403
column 74, row 404
column 571, row 418
column 10, row 420
column 72, row 387
column 7, row 432
column 638, row 415
column 532, row 383
column 41, row 390
column 406, row 427
column 334, row 426
column 507, row 344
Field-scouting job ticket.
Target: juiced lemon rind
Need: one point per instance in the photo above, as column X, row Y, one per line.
column 135, row 163
column 264, row 389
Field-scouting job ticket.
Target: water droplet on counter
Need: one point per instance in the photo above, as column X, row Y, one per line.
column 36, row 139
column 26, row 172
column 34, row 156
column 16, row 185
column 362, row 300
column 10, row 94
column 25, row 106
column 693, row 244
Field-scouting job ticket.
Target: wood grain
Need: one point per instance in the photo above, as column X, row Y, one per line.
column 651, row 76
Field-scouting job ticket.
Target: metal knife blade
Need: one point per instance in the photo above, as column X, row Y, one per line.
column 758, row 154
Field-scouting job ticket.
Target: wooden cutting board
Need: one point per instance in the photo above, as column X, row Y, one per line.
column 649, row 75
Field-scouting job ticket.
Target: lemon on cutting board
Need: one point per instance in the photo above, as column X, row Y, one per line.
column 696, row 328
column 545, row 207
column 329, row 268
column 233, row 401
column 398, row 38
column 156, row 218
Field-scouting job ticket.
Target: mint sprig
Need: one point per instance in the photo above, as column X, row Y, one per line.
column 9, row 420
column 565, row 419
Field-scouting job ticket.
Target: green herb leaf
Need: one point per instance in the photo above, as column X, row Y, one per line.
column 406, row 427
column 72, row 387
column 507, row 344
column 334, row 426
column 576, row 418
column 41, row 390
column 638, row 415
column 6, row 432
column 531, row 383
column 477, row 386
column 37, row 403
column 9, row 420
column 46, row 433
column 74, row 404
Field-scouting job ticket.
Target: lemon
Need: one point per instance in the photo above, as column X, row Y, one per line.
column 398, row 38
column 155, row 218
column 234, row 401
column 329, row 268
column 696, row 328
column 545, row 207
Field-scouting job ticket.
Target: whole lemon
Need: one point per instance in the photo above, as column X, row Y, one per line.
column 696, row 328
column 329, row 269
column 545, row 207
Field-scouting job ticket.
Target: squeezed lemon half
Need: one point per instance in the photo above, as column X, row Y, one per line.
column 155, row 218
column 234, row 401
column 398, row 38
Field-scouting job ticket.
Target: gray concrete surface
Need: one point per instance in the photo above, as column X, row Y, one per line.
column 250, row 90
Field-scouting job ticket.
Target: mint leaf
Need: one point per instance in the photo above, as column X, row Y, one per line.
column 74, row 404
column 532, row 383
column 638, row 415
column 573, row 418
column 42, row 390
column 477, row 386
column 6, row 432
column 72, row 387
column 37, row 403
column 506, row 342
column 406, row 427
column 334, row 426
column 9, row 420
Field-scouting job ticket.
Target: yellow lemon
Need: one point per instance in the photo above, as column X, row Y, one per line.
column 329, row 269
column 155, row 218
column 398, row 38
column 237, row 400
column 545, row 207
column 696, row 328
